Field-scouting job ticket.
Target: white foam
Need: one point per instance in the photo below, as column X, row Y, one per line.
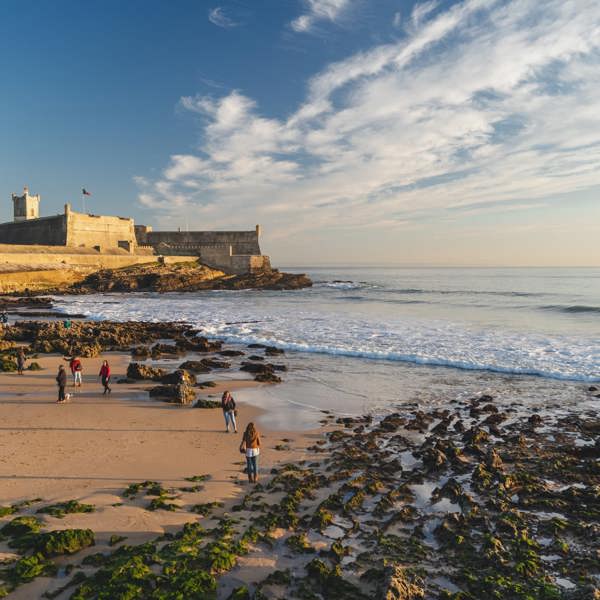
column 296, row 323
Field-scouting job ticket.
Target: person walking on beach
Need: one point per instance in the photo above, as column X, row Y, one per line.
column 228, row 406
column 105, row 376
column 61, row 380
column 76, row 369
column 3, row 319
column 20, row 361
column 251, row 446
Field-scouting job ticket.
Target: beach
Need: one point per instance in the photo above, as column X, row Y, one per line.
column 448, row 473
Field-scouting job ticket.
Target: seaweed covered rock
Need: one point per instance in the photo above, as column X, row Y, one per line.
column 65, row 541
column 140, row 372
column 398, row 586
column 204, row 403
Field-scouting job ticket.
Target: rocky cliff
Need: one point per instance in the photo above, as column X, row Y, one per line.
column 183, row 277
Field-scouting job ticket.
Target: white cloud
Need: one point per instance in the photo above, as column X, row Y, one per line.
column 319, row 10
column 218, row 17
column 397, row 20
column 487, row 104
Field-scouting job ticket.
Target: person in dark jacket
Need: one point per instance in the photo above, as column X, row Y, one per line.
column 61, row 380
column 105, row 376
column 20, row 361
column 228, row 406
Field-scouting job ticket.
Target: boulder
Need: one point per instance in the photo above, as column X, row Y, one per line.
column 212, row 363
column 204, row 403
column 160, row 349
column 140, row 352
column 138, row 371
column 273, row 351
column 179, row 376
column 231, row 353
column 176, row 394
column 195, row 366
column 267, row 377
column 255, row 357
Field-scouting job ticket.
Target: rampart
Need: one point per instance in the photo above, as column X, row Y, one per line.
column 47, row 231
column 241, row 242
column 100, row 232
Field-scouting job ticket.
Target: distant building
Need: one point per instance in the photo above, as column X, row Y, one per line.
column 230, row 251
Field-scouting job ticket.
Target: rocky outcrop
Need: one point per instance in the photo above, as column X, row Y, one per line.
column 398, row 586
column 183, row 277
column 140, row 372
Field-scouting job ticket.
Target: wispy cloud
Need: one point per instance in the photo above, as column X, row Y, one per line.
column 218, row 17
column 486, row 103
column 319, row 10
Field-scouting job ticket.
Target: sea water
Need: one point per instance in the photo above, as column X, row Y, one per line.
column 363, row 338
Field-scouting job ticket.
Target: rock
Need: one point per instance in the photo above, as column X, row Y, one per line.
column 207, row 384
column 159, row 349
column 493, row 460
column 398, row 586
column 592, row 388
column 179, row 376
column 202, row 344
column 273, row 351
column 204, row 403
column 140, row 372
column 254, row 357
column 534, row 421
column 257, row 346
column 255, row 368
column 177, row 394
column 195, row 366
column 231, row 353
column 140, row 352
column 268, row 377
column 215, row 364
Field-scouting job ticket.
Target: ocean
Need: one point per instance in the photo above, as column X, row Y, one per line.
column 364, row 339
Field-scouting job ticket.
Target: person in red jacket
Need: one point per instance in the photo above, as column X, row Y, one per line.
column 76, row 369
column 105, row 376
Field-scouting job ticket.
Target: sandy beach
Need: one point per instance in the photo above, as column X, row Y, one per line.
column 92, row 447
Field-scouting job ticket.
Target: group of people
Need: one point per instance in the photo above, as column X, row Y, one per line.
column 76, row 368
column 250, row 445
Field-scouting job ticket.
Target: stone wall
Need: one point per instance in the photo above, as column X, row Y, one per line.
column 100, row 231
column 241, row 242
column 47, row 231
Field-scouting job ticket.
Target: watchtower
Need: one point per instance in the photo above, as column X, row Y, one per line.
column 26, row 206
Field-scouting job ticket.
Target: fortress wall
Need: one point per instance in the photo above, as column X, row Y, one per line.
column 46, row 231
column 241, row 242
column 105, row 232
column 95, row 261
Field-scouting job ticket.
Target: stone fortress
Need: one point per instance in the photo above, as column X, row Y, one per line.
column 99, row 241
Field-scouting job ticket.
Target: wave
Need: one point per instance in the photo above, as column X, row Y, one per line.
column 571, row 309
column 311, row 327
column 411, row 358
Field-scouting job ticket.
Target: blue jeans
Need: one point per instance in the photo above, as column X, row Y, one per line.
column 230, row 418
column 252, row 465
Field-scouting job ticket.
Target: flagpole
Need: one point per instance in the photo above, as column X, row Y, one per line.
column 83, row 201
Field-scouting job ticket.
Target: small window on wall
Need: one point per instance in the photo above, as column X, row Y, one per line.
column 32, row 213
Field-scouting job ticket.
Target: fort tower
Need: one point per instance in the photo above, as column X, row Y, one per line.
column 26, row 206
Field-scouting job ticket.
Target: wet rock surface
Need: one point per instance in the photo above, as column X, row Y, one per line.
column 403, row 507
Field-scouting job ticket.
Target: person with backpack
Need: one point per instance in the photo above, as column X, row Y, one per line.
column 250, row 446
column 228, row 406
column 61, row 380
column 105, row 376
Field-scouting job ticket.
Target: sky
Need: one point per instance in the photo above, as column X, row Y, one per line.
column 353, row 131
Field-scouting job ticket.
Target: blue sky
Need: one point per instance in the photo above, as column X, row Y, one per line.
column 352, row 130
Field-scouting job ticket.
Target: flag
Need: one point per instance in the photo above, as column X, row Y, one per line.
column 85, row 192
